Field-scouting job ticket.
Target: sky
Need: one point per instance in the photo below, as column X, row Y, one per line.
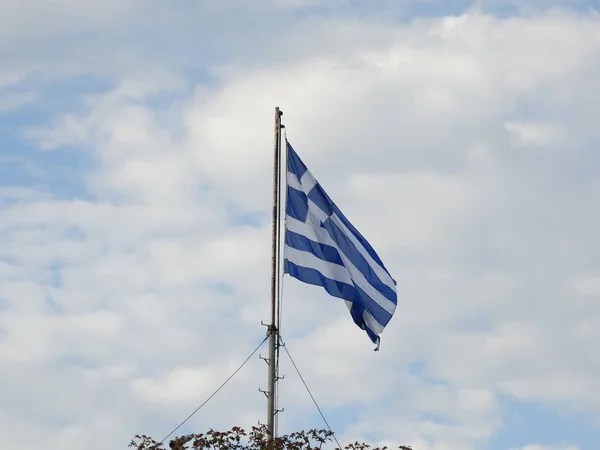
column 459, row 137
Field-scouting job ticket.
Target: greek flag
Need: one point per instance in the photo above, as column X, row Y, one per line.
column 324, row 249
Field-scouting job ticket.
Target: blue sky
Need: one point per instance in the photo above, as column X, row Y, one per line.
column 135, row 162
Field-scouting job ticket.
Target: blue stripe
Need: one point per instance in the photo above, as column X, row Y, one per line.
column 294, row 163
column 321, row 251
column 316, row 278
column 358, row 260
column 297, row 204
column 338, row 289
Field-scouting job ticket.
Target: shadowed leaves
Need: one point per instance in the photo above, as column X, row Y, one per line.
column 256, row 439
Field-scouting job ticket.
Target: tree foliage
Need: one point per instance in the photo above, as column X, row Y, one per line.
column 255, row 439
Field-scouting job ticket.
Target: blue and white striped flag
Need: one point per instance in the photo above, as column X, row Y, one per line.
column 323, row 248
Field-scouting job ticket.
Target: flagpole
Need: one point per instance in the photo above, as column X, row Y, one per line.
column 272, row 330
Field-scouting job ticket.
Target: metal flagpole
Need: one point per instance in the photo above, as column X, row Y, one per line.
column 272, row 330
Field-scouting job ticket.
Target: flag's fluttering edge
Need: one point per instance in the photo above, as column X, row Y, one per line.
column 324, row 249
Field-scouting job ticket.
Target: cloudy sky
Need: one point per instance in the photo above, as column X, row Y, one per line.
column 459, row 137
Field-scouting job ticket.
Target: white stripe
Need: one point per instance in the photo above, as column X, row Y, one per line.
column 310, row 261
column 349, row 304
column 292, row 181
column 315, row 214
column 316, row 234
column 380, row 271
column 305, row 184
column 308, row 182
column 375, row 326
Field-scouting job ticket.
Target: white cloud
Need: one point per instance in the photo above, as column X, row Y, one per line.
column 532, row 134
column 587, row 285
column 13, row 99
column 546, row 447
